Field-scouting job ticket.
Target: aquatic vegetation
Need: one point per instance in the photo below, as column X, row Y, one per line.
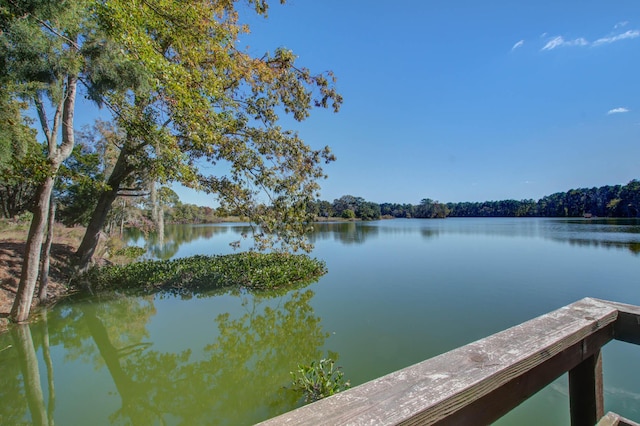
column 130, row 252
column 319, row 380
column 249, row 270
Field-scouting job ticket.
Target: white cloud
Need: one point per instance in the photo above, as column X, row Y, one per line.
column 620, row 25
column 617, row 110
column 578, row 42
column 558, row 41
column 517, row 45
column 555, row 42
column 623, row 36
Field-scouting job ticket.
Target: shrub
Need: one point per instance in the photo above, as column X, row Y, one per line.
column 319, row 380
column 348, row 214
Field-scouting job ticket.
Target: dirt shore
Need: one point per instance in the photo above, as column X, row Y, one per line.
column 12, row 247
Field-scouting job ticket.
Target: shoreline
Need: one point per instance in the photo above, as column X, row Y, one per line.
column 11, row 257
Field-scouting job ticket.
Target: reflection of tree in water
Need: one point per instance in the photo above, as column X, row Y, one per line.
column 359, row 232
column 260, row 349
column 127, row 318
column 633, row 247
column 20, row 359
column 135, row 404
column 21, row 377
column 429, row 233
column 12, row 386
column 177, row 235
column 239, row 378
column 238, row 381
column 345, row 232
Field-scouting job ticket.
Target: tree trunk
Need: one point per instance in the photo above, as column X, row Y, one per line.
column 46, row 253
column 161, row 225
column 154, row 203
column 122, row 224
column 87, row 248
column 157, row 213
column 3, row 201
column 64, row 114
column 99, row 217
column 29, row 275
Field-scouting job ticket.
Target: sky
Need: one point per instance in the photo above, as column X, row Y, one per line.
column 464, row 100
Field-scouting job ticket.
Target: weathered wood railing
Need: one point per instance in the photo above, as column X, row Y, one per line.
column 480, row 382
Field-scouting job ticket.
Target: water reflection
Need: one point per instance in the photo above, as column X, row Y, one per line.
column 359, row 232
column 26, row 353
column 226, row 359
column 605, row 233
column 633, row 247
column 239, row 377
column 344, row 232
column 177, row 235
column 608, row 233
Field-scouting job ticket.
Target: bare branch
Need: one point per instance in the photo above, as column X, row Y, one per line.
column 42, row 115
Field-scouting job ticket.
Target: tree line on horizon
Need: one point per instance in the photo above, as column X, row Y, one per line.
column 605, row 201
column 77, row 202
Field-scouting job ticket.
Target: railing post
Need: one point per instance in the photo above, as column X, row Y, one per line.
column 586, row 391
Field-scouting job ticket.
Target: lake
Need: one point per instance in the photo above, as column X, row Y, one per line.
column 397, row 292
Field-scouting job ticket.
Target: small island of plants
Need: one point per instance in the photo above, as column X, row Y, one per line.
column 248, row 270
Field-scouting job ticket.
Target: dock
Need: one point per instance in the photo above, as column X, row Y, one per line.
column 480, row 382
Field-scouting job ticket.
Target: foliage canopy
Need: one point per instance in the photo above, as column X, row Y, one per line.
column 195, row 98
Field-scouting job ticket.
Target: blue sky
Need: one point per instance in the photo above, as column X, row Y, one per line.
column 466, row 100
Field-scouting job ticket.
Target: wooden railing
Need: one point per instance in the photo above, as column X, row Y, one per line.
column 480, row 382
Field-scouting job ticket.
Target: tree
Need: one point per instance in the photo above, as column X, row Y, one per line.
column 630, row 195
column 440, row 210
column 368, row 211
column 79, row 185
column 41, row 56
column 346, row 202
column 397, row 210
column 160, row 198
column 197, row 97
column 18, row 151
column 181, row 93
column 324, row 208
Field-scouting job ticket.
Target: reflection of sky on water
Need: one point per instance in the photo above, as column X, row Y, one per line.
column 605, row 233
column 397, row 292
column 189, row 240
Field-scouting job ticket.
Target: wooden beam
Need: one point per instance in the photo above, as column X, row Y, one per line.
column 586, row 399
column 628, row 324
column 497, row 372
column 496, row 404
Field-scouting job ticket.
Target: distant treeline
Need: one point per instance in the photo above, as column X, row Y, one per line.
column 606, row 201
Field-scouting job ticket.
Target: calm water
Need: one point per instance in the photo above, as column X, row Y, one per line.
column 397, row 292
